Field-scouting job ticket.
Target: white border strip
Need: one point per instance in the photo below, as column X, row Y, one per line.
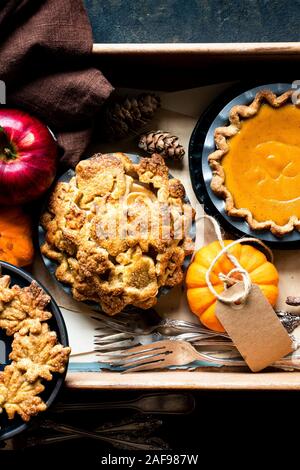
column 199, row 48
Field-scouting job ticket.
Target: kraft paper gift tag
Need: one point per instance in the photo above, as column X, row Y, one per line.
column 254, row 328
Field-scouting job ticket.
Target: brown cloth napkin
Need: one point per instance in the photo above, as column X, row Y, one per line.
column 45, row 61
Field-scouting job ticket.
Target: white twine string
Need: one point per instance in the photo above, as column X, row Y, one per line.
column 227, row 279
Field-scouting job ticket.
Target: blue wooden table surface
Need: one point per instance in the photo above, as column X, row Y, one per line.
column 115, row 21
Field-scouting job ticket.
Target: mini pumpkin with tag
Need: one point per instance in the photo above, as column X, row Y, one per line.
column 201, row 300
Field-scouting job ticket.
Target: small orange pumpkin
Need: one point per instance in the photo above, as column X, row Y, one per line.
column 16, row 245
column 202, row 302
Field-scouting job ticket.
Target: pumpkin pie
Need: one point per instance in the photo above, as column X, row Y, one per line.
column 256, row 166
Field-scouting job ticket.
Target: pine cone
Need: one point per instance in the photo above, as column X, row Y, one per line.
column 122, row 118
column 164, row 143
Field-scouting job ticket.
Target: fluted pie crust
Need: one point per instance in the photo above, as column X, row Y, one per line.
column 222, row 138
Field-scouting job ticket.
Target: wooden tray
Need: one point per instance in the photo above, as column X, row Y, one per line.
column 170, row 67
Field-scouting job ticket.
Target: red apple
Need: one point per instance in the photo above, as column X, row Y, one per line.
column 28, row 157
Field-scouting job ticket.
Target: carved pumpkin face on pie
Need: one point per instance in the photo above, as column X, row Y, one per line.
column 256, row 167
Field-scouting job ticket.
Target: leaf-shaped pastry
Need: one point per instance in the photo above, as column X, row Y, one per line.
column 39, row 355
column 22, row 309
column 18, row 395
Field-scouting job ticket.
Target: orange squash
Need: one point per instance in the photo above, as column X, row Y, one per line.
column 202, row 302
column 16, row 245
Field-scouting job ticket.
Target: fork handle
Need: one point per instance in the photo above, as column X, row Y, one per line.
column 112, row 440
column 38, row 441
column 62, row 407
column 80, row 432
column 220, row 361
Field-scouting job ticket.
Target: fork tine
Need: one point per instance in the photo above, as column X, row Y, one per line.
column 126, row 344
column 132, row 358
column 111, row 356
column 157, row 346
column 111, row 337
column 141, row 353
column 109, row 321
column 107, row 324
column 118, row 347
column 142, row 361
column 116, row 358
column 121, row 356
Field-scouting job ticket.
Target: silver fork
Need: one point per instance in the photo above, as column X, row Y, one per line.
column 110, row 347
column 130, row 329
column 117, row 440
column 163, row 354
column 139, row 323
column 159, row 403
column 123, row 340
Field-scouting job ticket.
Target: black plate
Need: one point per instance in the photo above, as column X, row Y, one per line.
column 52, row 266
column 202, row 144
column 9, row 428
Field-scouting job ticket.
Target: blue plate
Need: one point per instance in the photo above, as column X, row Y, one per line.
column 202, row 144
column 52, row 266
column 9, row 428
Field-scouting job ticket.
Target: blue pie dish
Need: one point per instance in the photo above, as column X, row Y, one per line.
column 52, row 266
column 202, row 144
